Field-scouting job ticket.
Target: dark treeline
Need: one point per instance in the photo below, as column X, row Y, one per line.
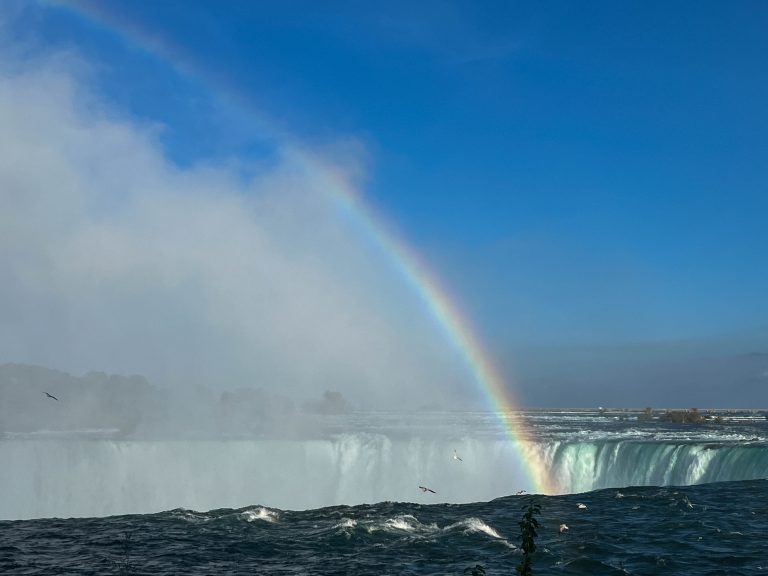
column 93, row 401
column 130, row 405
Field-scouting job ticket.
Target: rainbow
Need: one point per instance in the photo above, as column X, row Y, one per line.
column 399, row 256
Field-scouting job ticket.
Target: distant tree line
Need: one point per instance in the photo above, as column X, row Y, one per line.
column 93, row 401
column 130, row 405
column 692, row 416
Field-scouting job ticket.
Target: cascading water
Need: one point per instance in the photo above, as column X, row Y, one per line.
column 365, row 458
column 585, row 466
column 105, row 477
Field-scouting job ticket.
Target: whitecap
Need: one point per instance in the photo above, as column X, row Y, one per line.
column 475, row 525
column 260, row 513
column 403, row 523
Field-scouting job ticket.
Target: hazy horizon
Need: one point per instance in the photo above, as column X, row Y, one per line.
column 653, row 372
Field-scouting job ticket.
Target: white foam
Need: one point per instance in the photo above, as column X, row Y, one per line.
column 260, row 513
column 403, row 523
column 475, row 525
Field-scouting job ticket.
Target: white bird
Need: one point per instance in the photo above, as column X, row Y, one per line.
column 457, row 457
column 520, row 492
column 563, row 528
column 581, row 506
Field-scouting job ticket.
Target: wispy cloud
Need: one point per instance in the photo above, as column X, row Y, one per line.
column 113, row 258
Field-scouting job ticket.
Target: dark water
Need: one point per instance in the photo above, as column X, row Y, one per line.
column 719, row 528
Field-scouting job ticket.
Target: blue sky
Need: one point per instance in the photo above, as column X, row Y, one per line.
column 574, row 174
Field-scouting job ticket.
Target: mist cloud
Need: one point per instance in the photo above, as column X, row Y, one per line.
column 113, row 258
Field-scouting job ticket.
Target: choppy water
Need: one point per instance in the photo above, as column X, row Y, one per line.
column 709, row 529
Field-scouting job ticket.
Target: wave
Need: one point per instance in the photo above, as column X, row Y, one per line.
column 408, row 524
column 706, row 529
column 477, row 526
column 345, row 527
column 261, row 513
column 404, row 523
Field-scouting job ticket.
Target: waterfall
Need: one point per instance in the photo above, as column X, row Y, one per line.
column 585, row 466
column 63, row 478
column 46, row 477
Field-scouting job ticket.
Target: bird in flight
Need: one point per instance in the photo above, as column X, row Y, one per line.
column 425, row 489
column 581, row 506
column 457, row 457
column 51, row 396
column 563, row 528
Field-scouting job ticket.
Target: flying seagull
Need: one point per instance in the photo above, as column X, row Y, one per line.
column 581, row 506
column 563, row 528
column 425, row 489
column 457, row 457
column 51, row 396
column 520, row 492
